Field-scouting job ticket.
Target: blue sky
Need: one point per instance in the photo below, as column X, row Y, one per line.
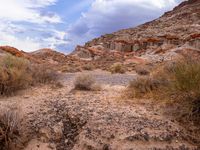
column 62, row 24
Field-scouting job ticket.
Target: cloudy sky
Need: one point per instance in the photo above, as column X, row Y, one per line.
column 62, row 24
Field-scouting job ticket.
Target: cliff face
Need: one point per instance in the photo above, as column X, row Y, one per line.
column 177, row 28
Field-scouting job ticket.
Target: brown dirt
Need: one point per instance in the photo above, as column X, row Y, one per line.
column 98, row 120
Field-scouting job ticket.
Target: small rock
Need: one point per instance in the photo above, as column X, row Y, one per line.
column 26, row 96
column 52, row 146
column 66, row 140
column 45, row 134
column 58, row 131
column 106, row 147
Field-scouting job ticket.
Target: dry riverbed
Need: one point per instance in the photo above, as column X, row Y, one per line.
column 64, row 119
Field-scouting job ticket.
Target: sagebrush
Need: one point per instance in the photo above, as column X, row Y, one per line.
column 117, row 68
column 86, row 82
column 15, row 74
column 10, row 129
column 18, row 73
column 177, row 84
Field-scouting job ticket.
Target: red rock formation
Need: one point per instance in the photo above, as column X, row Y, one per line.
column 18, row 53
column 12, row 51
column 172, row 28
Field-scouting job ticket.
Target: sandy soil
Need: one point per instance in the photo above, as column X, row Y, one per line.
column 64, row 119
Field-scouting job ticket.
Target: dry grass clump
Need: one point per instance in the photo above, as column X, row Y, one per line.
column 71, row 69
column 9, row 129
column 88, row 67
column 18, row 73
column 14, row 74
column 86, row 82
column 143, row 85
column 142, row 70
column 185, row 82
column 117, row 68
column 177, row 85
column 43, row 74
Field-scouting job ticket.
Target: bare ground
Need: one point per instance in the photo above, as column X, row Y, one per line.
column 65, row 119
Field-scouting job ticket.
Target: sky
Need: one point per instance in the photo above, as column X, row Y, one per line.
column 30, row 25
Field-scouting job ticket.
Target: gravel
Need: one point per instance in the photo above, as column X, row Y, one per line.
column 102, row 78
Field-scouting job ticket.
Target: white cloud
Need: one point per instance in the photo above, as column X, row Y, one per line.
column 27, row 10
column 26, row 44
column 15, row 14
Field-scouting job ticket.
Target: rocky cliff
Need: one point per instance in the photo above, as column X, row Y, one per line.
column 179, row 28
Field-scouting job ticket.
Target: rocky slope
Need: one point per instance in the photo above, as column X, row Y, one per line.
column 156, row 41
column 48, row 57
column 4, row 50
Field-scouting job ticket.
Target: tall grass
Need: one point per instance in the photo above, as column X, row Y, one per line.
column 10, row 129
column 186, row 85
column 18, row 73
column 14, row 74
column 178, row 84
column 142, row 85
column 187, row 76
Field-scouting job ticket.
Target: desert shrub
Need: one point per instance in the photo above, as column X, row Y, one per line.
column 117, row 68
column 86, row 82
column 88, row 67
column 176, row 84
column 14, row 74
column 142, row 85
column 187, row 76
column 185, row 82
column 71, row 69
column 43, row 74
column 142, row 70
column 18, row 73
column 9, row 129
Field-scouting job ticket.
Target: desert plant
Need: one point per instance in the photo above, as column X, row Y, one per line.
column 88, row 67
column 18, row 73
column 142, row 70
column 9, row 129
column 187, row 76
column 43, row 74
column 181, row 80
column 14, row 74
column 142, row 85
column 185, row 82
column 86, row 82
column 117, row 68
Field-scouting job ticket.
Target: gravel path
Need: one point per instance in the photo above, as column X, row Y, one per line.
column 103, row 78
